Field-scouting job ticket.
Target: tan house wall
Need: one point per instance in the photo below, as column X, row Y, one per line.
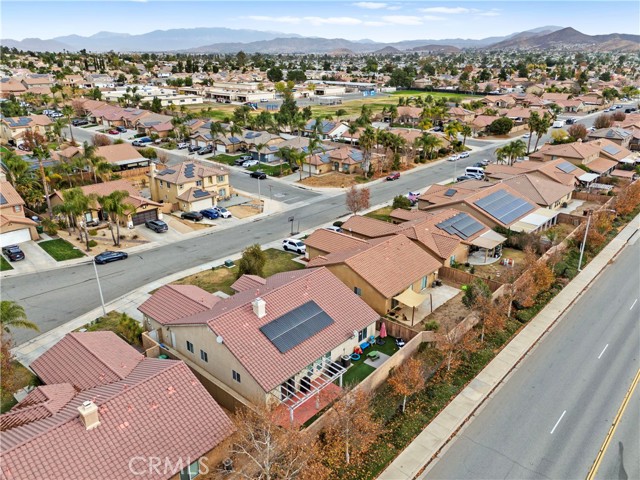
column 163, row 191
column 7, row 133
column 461, row 254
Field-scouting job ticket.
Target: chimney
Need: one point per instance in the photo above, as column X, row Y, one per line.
column 89, row 415
column 259, row 307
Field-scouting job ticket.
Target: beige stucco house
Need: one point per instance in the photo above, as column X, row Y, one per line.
column 15, row 227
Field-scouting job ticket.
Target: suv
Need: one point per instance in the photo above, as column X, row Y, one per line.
column 294, row 245
column 121, row 129
column 222, row 212
column 206, row 150
column 194, row 148
column 463, row 155
column 182, row 145
column 13, row 253
column 195, row 216
column 141, row 142
column 157, row 226
column 209, row 213
column 258, row 174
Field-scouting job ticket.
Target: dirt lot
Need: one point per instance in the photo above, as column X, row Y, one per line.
column 496, row 270
column 244, row 211
column 104, row 240
column 333, row 179
column 449, row 314
column 586, row 206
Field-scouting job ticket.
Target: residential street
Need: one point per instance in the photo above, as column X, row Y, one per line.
column 551, row 417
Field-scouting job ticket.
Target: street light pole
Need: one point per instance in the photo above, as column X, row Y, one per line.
column 104, row 310
column 584, row 242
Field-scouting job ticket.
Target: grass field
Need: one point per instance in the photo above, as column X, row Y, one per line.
column 60, row 249
column 4, row 265
column 221, row 278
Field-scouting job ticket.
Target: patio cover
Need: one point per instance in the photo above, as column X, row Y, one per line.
column 411, row 298
column 488, row 240
column 588, row 177
column 534, row 220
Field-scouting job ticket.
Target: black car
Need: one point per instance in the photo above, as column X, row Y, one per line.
column 13, row 253
column 239, row 161
column 258, row 174
column 121, row 129
column 79, row 122
column 206, row 150
column 195, row 148
column 195, row 216
column 157, row 226
column 110, row 256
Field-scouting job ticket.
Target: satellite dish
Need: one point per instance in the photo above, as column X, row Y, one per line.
column 219, row 339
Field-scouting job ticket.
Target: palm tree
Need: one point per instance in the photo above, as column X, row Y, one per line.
column 451, row 130
column 298, row 157
column 511, row 151
column 68, row 111
column 115, row 207
column 314, row 144
column 543, row 126
column 341, row 112
column 466, row 131
column 392, row 112
column 41, row 152
column 353, row 129
column 92, row 160
column 427, row 143
column 18, row 170
column 532, row 122
column 367, row 141
column 215, row 129
column 259, row 147
column 13, row 315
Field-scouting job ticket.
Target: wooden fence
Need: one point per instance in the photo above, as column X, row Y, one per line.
column 458, row 277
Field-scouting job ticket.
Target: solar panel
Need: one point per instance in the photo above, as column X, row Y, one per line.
column 200, row 193
column 462, row 225
column 3, row 201
column 450, row 193
column 611, row 150
column 566, row 167
column 166, row 172
column 294, row 327
column 503, row 206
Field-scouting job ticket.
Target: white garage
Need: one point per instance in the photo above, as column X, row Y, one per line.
column 16, row 236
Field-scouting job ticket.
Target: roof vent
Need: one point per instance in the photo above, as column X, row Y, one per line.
column 89, row 415
column 259, row 307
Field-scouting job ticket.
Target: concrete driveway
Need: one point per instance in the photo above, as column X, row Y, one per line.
column 35, row 259
column 175, row 233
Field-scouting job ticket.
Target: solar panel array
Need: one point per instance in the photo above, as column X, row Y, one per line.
column 462, row 225
column 188, row 170
column 3, row 201
column 19, row 122
column 200, row 194
column 168, row 171
column 294, row 327
column 566, row 167
column 611, row 150
column 503, row 206
column 356, row 155
column 450, row 193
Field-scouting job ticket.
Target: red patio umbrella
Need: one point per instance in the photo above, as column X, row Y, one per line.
column 383, row 330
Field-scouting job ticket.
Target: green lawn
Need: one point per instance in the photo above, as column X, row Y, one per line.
column 4, row 265
column 224, row 158
column 221, row 278
column 60, row 250
column 422, row 93
column 271, row 170
column 359, row 370
column 381, row 214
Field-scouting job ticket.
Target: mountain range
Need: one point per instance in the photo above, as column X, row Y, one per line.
column 226, row 40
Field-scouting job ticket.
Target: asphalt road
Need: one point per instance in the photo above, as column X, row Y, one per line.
column 550, row 418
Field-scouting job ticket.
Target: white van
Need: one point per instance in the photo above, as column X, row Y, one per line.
column 474, row 172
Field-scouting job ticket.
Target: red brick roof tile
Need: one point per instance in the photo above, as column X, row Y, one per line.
column 173, row 302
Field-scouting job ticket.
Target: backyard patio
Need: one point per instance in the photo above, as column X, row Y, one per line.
column 430, row 300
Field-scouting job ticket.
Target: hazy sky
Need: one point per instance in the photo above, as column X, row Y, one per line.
column 380, row 21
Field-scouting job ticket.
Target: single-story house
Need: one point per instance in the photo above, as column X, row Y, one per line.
column 122, row 156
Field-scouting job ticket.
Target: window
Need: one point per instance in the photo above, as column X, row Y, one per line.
column 189, row 346
column 222, row 192
column 190, row 472
column 160, row 183
column 198, row 183
column 362, row 335
column 17, row 208
column 220, row 178
column 210, row 180
column 236, row 376
column 424, row 283
column 204, row 356
column 452, row 259
column 357, row 291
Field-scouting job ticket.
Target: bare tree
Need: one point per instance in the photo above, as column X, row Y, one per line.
column 407, row 379
column 357, row 199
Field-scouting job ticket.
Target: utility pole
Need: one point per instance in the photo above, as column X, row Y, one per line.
column 104, row 310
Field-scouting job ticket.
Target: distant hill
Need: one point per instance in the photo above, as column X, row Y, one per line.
column 288, row 45
column 37, row 45
column 567, row 38
column 436, row 49
column 387, row 51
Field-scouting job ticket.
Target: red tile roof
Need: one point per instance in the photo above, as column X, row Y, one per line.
column 328, row 241
column 42, row 402
column 368, row 227
column 245, row 282
column 173, row 302
column 87, row 359
column 159, row 410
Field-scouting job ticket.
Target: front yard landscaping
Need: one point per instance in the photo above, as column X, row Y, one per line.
column 4, row 265
column 221, row 278
column 60, row 249
column 22, row 377
column 381, row 214
column 119, row 323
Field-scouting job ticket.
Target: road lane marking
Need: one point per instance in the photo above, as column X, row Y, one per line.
column 612, row 429
column 554, row 427
column 634, row 304
column 605, row 347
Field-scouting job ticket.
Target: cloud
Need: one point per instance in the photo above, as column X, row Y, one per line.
column 371, row 5
column 402, row 19
column 490, row 13
column 432, row 18
column 263, row 18
column 446, row 10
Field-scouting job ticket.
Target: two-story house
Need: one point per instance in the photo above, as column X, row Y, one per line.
column 14, row 128
column 190, row 185
column 14, row 226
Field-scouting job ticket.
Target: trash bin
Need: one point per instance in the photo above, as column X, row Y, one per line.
column 163, row 357
column 346, row 361
column 39, row 229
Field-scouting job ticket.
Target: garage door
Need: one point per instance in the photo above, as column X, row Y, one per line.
column 140, row 218
column 17, row 236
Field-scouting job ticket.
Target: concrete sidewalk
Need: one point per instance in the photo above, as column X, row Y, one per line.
column 428, row 444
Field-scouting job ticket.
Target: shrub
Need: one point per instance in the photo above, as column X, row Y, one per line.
column 501, row 126
column 401, row 201
column 135, row 236
column 337, row 223
column 51, row 228
column 432, row 325
column 92, row 243
column 93, row 232
column 148, row 152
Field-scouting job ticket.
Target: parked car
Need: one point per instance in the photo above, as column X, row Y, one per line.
column 526, row 135
column 258, row 174
column 462, row 178
column 333, row 228
column 591, row 129
column 294, row 245
column 141, row 142
column 13, row 253
column 195, row 148
column 393, row 176
column 485, row 162
column 250, row 163
column 223, row 212
column 206, row 150
column 121, row 129
column 110, row 256
column 113, row 131
column 195, row 216
column 157, row 226
column 182, row 145
column 78, row 122
column 209, row 213
column 246, row 157
column 239, row 161
column 413, row 198
column 453, row 158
